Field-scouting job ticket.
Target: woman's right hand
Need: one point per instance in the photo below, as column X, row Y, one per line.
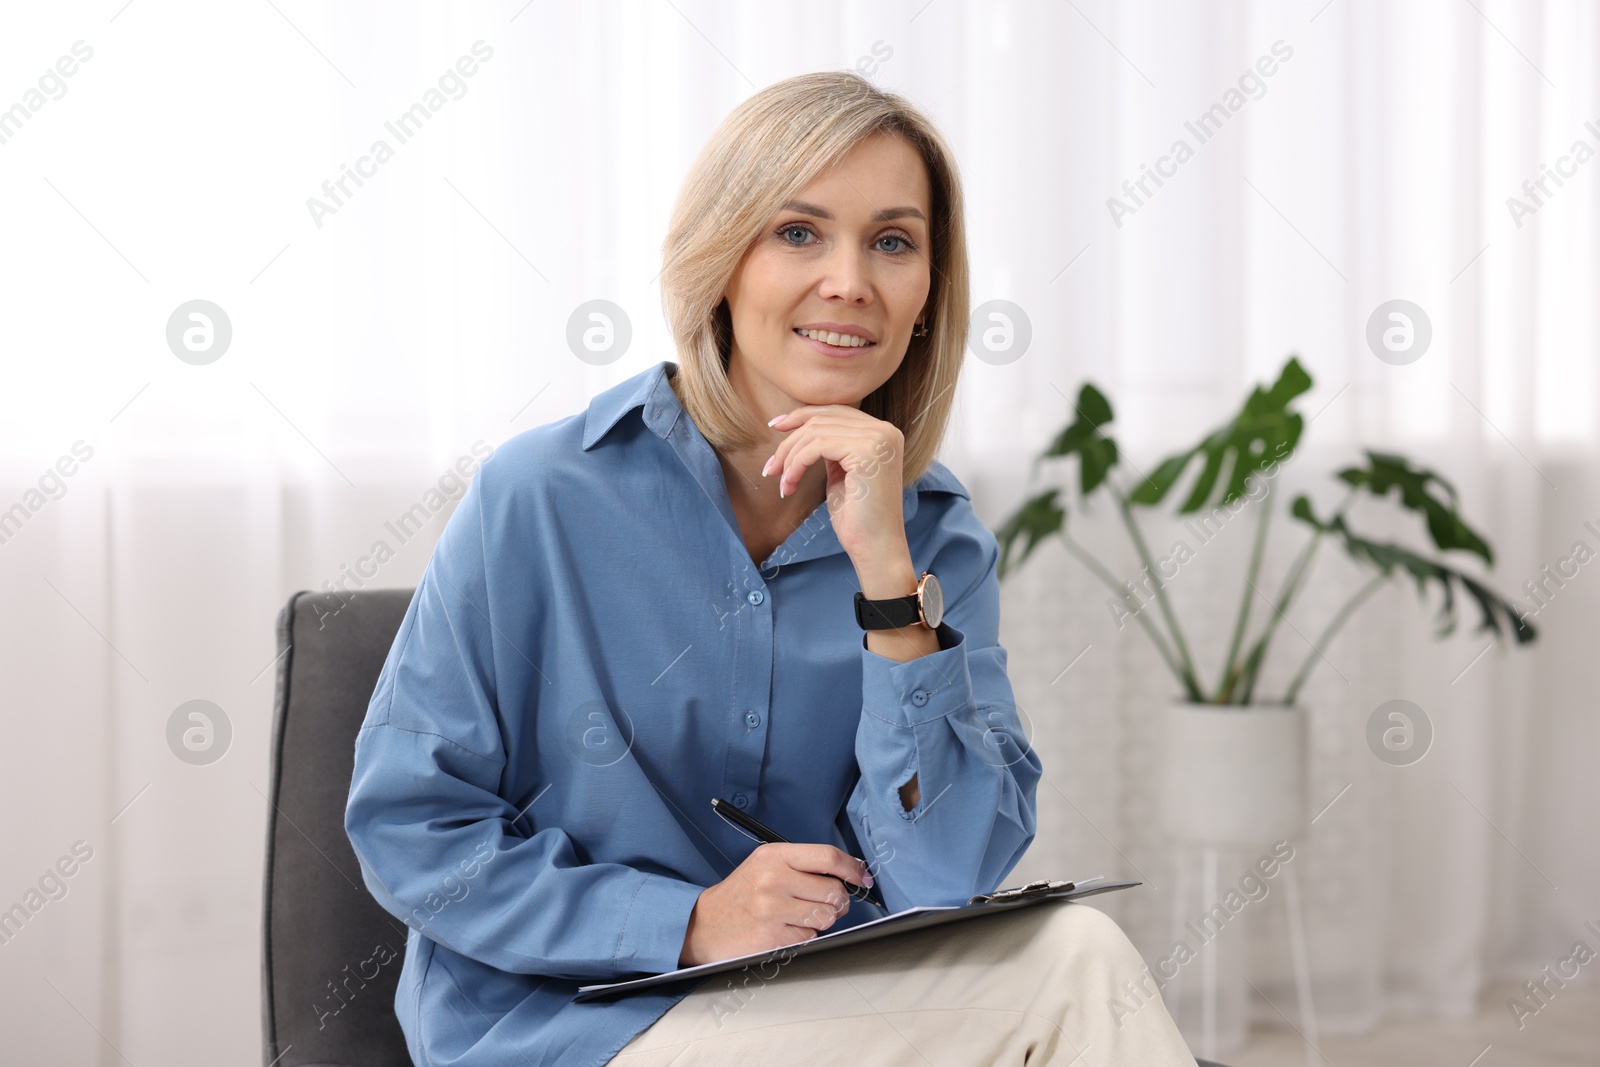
column 782, row 893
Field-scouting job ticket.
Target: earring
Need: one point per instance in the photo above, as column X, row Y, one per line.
column 921, row 330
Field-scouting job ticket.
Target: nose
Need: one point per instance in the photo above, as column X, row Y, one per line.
column 846, row 275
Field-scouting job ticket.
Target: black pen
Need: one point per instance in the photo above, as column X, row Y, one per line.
column 766, row 835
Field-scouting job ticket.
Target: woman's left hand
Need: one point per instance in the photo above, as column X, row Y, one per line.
column 863, row 457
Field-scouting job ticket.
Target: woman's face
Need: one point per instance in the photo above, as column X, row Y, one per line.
column 849, row 254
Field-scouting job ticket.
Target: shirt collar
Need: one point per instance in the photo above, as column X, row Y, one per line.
column 650, row 390
column 647, row 389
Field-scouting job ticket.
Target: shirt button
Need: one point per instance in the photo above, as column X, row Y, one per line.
column 740, row 800
column 756, row 596
column 918, row 697
column 752, row 719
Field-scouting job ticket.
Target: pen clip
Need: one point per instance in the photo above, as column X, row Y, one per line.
column 721, row 810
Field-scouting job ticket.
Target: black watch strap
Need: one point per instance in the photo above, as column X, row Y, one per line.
column 891, row 614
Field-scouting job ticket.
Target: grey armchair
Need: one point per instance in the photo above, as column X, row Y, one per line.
column 330, row 955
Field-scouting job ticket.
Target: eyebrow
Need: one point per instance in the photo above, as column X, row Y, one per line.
column 882, row 216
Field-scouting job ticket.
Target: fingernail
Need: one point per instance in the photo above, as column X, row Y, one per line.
column 781, row 493
column 867, row 880
column 767, row 468
column 777, row 419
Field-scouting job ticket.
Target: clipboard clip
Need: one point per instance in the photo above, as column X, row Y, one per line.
column 1042, row 888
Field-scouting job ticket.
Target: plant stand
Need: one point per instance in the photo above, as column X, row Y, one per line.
column 1210, row 893
column 1235, row 781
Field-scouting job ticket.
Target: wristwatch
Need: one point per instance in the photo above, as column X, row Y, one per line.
column 926, row 606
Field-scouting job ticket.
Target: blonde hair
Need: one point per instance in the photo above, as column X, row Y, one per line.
column 768, row 149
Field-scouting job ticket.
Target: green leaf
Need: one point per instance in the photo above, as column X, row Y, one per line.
column 1093, row 407
column 1096, row 452
column 1387, row 557
column 1037, row 519
column 1448, row 530
column 1263, row 433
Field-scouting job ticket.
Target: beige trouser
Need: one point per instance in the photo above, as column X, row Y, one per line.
column 1032, row 987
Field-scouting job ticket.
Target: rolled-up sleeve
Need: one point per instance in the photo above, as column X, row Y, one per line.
column 434, row 838
column 950, row 719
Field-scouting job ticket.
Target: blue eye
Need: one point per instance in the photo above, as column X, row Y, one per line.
column 908, row 246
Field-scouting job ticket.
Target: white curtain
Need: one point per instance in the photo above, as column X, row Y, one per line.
column 375, row 343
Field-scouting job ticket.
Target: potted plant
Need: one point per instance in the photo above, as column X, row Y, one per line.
column 1235, row 766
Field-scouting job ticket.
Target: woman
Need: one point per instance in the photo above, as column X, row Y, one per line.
column 654, row 603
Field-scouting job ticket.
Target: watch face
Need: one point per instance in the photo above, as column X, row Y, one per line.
column 932, row 601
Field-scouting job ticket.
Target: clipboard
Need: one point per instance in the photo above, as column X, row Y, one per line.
column 916, row 918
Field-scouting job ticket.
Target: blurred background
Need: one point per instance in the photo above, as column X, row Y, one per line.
column 168, row 481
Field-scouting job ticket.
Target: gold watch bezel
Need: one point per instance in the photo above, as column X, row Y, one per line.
column 921, row 614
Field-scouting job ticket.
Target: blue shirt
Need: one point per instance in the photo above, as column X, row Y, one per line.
column 590, row 656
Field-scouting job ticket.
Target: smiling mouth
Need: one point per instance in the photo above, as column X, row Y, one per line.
column 835, row 340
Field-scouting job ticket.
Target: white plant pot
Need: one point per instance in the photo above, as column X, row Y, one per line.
column 1234, row 776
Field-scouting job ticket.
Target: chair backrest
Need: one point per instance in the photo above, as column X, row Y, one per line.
column 331, row 956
